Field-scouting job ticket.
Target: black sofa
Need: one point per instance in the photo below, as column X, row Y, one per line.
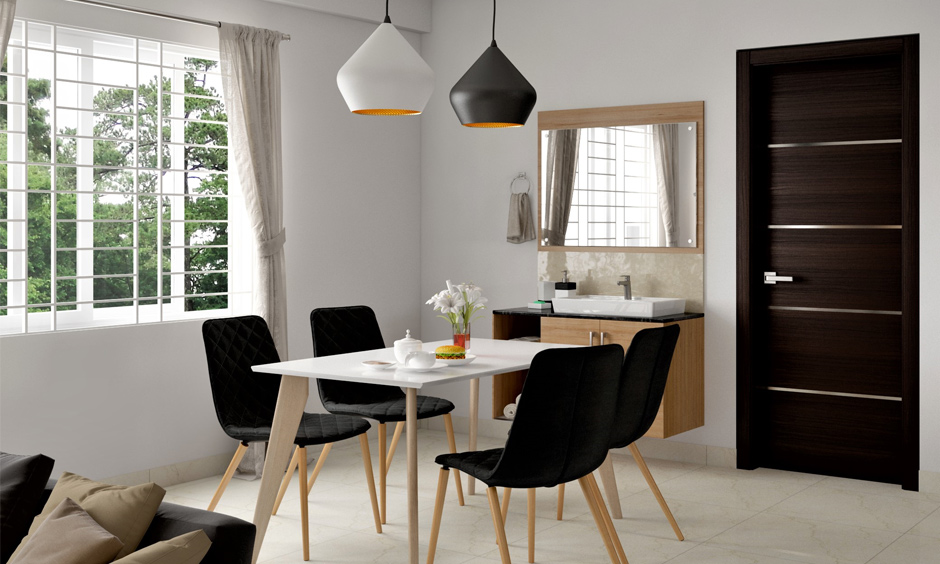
column 233, row 539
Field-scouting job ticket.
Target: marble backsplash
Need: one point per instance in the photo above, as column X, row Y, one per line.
column 665, row 275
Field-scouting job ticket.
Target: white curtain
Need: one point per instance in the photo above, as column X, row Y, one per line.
column 560, row 172
column 665, row 144
column 7, row 8
column 252, row 85
column 251, row 77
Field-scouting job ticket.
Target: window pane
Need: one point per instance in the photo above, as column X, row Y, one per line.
column 39, row 35
column 148, row 52
column 114, row 207
column 113, row 261
column 94, row 43
column 114, row 234
column 98, row 71
column 39, row 234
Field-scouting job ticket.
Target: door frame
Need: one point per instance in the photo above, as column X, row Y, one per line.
column 749, row 219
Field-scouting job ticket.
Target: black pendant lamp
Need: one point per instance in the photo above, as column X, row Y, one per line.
column 493, row 93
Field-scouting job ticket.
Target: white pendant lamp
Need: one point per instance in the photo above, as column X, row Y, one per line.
column 386, row 76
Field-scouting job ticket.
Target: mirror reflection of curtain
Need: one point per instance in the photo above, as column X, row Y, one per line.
column 7, row 8
column 561, row 168
column 665, row 146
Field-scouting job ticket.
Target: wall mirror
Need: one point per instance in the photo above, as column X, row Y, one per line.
column 624, row 178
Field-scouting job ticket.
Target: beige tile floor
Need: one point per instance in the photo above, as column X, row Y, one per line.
column 728, row 517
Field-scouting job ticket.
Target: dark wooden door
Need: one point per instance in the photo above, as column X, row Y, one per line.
column 827, row 211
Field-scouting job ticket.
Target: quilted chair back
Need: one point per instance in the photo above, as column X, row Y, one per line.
column 338, row 330
column 643, row 382
column 561, row 431
column 242, row 398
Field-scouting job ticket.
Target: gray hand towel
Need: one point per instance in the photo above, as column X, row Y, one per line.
column 521, row 228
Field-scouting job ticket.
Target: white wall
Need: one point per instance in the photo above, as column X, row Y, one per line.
column 621, row 52
column 111, row 401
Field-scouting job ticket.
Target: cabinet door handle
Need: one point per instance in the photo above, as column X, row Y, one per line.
column 602, row 338
column 590, row 338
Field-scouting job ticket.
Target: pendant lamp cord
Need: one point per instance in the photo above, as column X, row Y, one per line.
column 388, row 19
column 494, row 24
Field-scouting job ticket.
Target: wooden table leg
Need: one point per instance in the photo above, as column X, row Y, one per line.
column 610, row 487
column 291, row 399
column 474, row 420
column 411, row 428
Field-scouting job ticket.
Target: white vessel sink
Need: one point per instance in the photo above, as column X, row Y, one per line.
column 617, row 306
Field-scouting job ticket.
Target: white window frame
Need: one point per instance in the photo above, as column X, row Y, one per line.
column 240, row 246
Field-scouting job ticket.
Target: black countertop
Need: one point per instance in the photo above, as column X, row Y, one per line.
column 550, row 313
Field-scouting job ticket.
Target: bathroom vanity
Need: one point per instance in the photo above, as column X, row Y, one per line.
column 683, row 406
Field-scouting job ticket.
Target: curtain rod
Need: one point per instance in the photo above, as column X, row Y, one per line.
column 284, row 36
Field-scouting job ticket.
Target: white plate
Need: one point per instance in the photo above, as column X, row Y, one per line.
column 458, row 361
column 378, row 364
column 437, row 366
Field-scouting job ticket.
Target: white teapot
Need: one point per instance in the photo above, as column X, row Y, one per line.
column 405, row 346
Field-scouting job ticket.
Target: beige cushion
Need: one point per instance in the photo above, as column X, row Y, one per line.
column 184, row 549
column 69, row 535
column 124, row 511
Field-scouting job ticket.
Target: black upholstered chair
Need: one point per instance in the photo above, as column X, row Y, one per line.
column 338, row 330
column 643, row 382
column 245, row 401
column 561, row 433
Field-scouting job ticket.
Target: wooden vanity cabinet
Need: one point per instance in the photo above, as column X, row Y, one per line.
column 683, row 406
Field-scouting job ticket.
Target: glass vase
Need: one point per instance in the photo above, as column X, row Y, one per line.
column 462, row 335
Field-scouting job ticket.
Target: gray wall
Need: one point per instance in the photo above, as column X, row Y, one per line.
column 617, row 52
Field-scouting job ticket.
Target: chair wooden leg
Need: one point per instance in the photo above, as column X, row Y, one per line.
column 611, row 531
column 319, row 465
column 229, row 472
column 530, row 511
column 598, row 520
column 452, row 442
column 438, row 511
column 382, row 474
column 304, row 530
column 609, row 480
column 370, row 479
column 286, row 481
column 495, row 511
column 561, row 501
column 652, row 484
column 391, row 449
column 505, row 509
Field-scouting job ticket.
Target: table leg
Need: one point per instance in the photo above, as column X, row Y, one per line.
column 291, row 399
column 411, row 428
column 474, row 420
column 610, row 486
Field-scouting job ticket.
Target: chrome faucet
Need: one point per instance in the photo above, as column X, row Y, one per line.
column 627, row 290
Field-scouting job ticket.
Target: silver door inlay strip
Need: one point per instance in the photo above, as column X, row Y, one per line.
column 833, row 143
column 837, row 394
column 833, row 310
column 833, row 227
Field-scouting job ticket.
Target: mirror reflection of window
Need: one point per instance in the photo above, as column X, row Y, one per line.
column 632, row 186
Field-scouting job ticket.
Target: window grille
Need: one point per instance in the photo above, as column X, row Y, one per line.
column 116, row 202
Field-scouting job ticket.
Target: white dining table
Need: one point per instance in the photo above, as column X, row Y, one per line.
column 493, row 356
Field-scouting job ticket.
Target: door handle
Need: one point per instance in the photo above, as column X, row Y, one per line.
column 590, row 338
column 602, row 338
column 772, row 278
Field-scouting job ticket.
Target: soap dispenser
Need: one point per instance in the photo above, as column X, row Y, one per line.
column 405, row 346
column 565, row 289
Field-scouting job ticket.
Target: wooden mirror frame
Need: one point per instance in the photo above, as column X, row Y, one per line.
column 678, row 112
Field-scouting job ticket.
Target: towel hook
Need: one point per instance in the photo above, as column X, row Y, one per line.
column 520, row 176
